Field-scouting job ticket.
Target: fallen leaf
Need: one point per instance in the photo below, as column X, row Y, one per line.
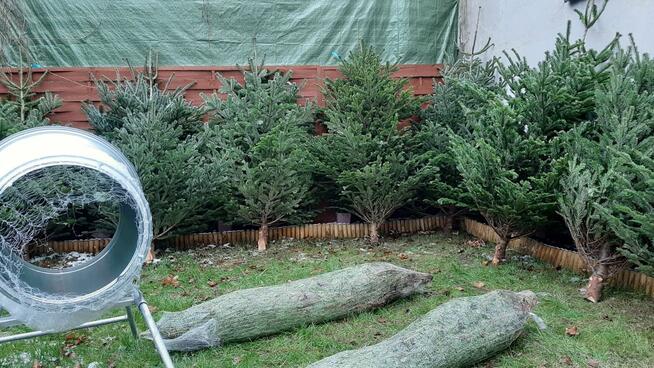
column 572, row 331
column 381, row 320
column 36, row 364
column 459, row 288
column 476, row 243
column 593, row 363
column 236, row 360
column 211, row 283
column 479, row 285
column 403, row 256
column 566, row 360
column 170, row 280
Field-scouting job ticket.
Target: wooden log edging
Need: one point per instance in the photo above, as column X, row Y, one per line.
column 558, row 257
column 325, row 231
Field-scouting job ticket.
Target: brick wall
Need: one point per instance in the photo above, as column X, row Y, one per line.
column 74, row 85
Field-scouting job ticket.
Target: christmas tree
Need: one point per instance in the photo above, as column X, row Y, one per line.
column 161, row 134
column 23, row 110
column 513, row 198
column 365, row 153
column 265, row 135
column 446, row 112
column 605, row 188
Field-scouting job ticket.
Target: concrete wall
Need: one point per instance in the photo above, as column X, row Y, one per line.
column 530, row 26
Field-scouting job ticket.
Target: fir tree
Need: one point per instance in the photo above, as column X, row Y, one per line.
column 512, row 197
column 265, row 135
column 140, row 94
column 23, row 109
column 365, row 153
column 447, row 109
column 631, row 216
column 156, row 130
column 597, row 199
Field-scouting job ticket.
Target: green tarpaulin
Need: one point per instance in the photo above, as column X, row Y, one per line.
column 221, row 32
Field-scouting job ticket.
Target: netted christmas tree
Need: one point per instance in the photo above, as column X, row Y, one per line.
column 365, row 152
column 161, row 134
column 265, row 136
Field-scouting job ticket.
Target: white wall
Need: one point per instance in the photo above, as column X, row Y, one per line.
column 530, row 26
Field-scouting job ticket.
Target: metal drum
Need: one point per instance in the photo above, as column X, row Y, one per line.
column 93, row 285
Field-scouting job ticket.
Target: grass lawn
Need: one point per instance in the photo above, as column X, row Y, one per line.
column 618, row 332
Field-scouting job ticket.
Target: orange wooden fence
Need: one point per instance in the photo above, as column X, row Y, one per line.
column 75, row 85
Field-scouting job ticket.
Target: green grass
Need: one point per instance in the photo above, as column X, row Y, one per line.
column 618, row 332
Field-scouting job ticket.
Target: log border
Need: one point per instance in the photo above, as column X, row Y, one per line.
column 325, row 231
column 555, row 256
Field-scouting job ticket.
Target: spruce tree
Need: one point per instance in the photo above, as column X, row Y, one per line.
column 365, row 153
column 161, row 134
column 265, row 135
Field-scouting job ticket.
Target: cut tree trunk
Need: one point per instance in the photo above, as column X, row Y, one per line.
column 500, row 252
column 262, row 241
column 374, row 233
column 251, row 313
column 459, row 333
column 448, row 227
column 596, row 281
column 594, row 289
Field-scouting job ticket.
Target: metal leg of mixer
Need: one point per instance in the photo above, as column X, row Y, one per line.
column 154, row 331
